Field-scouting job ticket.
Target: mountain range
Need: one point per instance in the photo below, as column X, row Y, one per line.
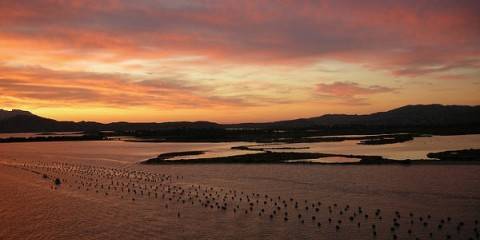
column 418, row 116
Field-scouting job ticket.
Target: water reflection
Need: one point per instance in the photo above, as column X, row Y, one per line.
column 35, row 209
column 415, row 149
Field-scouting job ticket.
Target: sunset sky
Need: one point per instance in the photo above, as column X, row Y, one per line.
column 235, row 61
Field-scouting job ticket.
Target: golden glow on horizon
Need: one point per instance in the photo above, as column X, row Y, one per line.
column 263, row 67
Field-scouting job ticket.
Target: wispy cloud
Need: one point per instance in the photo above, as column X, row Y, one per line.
column 45, row 86
column 160, row 54
column 393, row 35
column 349, row 92
column 349, row 89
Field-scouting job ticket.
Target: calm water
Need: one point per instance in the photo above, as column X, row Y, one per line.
column 416, row 149
column 31, row 209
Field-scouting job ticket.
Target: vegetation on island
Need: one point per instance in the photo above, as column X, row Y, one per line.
column 59, row 138
column 390, row 139
column 412, row 119
column 457, row 155
column 165, row 156
column 469, row 155
column 262, row 157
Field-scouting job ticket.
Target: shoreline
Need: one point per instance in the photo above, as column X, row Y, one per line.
column 465, row 156
column 299, row 137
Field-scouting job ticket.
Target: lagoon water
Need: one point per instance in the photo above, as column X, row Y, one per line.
column 31, row 207
column 416, row 149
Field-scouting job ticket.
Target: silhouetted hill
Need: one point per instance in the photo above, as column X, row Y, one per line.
column 15, row 112
column 466, row 118
column 407, row 116
column 32, row 123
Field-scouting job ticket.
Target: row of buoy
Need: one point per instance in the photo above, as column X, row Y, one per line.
column 135, row 185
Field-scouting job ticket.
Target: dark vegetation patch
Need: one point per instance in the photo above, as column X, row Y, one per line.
column 457, row 155
column 262, row 136
column 266, row 157
column 265, row 147
column 388, row 139
column 263, row 157
column 166, row 156
column 93, row 137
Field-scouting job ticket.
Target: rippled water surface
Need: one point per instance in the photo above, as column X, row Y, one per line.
column 93, row 201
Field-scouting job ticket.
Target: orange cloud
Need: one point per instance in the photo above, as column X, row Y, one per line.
column 115, row 52
column 349, row 92
column 397, row 34
column 62, row 88
column 349, row 89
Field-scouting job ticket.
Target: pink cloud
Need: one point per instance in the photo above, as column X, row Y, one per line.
column 456, row 77
column 41, row 86
column 349, row 89
column 405, row 37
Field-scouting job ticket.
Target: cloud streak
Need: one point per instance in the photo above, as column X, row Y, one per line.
column 205, row 54
column 398, row 34
column 350, row 93
column 349, row 89
column 45, row 86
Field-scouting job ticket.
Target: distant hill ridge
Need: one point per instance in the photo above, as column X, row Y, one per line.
column 15, row 112
column 410, row 115
column 434, row 115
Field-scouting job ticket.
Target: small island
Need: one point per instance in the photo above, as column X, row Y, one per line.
column 55, row 138
column 269, row 157
column 467, row 155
